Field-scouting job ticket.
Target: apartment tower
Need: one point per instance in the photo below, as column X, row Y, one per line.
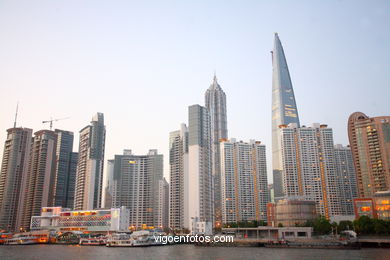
column 89, row 175
column 369, row 138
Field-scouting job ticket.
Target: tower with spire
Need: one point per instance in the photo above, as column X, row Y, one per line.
column 215, row 100
column 284, row 109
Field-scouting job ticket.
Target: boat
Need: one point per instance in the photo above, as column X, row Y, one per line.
column 119, row 240
column 94, row 241
column 21, row 240
column 141, row 238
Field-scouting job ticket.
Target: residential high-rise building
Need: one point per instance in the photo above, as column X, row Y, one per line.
column 38, row 186
column 14, row 166
column 309, row 166
column 89, row 176
column 215, row 100
column 369, row 138
column 66, row 167
column 178, row 167
column 244, row 181
column 163, row 204
column 136, row 185
column 346, row 178
column 284, row 110
column 200, row 179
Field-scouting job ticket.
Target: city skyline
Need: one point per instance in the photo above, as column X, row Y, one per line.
column 245, row 72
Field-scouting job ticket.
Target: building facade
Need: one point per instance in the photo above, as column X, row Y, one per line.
column 215, row 100
column 14, row 165
column 309, row 167
column 38, row 186
column 200, row 179
column 178, row 168
column 284, row 110
column 290, row 212
column 369, row 138
column 66, row 167
column 346, row 176
column 63, row 220
column 137, row 186
column 89, row 176
column 243, row 181
column 163, row 204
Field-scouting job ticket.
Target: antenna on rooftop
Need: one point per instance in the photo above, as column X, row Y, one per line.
column 16, row 113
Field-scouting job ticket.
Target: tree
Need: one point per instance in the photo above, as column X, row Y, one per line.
column 345, row 225
column 364, row 225
column 322, row 226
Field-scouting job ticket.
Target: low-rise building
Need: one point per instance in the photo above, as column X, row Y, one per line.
column 62, row 219
column 376, row 207
column 270, row 233
column 290, row 212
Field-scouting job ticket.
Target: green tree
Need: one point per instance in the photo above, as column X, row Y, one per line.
column 345, row 225
column 322, row 226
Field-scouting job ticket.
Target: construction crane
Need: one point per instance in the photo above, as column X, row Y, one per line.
column 53, row 120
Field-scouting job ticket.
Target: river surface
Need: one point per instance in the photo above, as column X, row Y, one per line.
column 64, row 252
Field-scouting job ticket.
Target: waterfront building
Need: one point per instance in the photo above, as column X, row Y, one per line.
column 291, row 212
column 346, row 176
column 270, row 233
column 201, row 227
column 63, row 220
column 37, row 187
column 89, row 176
column 137, row 186
column 215, row 100
column 369, row 138
column 243, row 181
column 382, row 204
column 178, row 168
column 66, row 167
column 309, row 166
column 200, row 179
column 364, row 207
column 376, row 207
column 284, row 110
column 13, row 168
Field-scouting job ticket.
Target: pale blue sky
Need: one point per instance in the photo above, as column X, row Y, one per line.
column 142, row 63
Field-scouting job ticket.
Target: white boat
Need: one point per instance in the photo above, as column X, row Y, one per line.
column 141, row 238
column 22, row 240
column 96, row 241
column 119, row 240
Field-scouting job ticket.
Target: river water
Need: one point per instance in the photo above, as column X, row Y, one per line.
column 63, row 252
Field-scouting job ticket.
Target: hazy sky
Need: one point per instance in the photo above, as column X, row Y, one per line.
column 142, row 63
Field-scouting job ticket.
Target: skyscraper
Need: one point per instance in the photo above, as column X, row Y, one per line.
column 66, row 167
column 284, row 109
column 137, row 185
column 38, row 186
column 346, row 178
column 215, row 100
column 14, row 165
column 200, row 182
column 89, row 176
column 309, row 166
column 178, row 167
column 369, row 138
column 244, row 181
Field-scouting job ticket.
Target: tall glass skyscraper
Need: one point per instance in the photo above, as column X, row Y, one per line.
column 216, row 105
column 284, row 109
